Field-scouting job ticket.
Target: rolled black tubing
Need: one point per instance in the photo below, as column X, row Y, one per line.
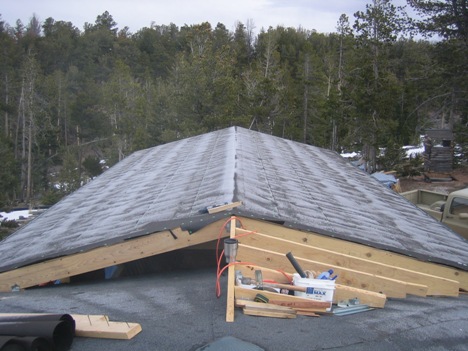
column 24, row 343
column 58, row 332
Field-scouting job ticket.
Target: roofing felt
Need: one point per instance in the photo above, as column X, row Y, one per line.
column 171, row 185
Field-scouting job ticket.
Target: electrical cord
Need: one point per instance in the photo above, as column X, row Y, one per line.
column 219, row 258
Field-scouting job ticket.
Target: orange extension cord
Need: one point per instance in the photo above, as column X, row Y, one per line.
column 219, row 257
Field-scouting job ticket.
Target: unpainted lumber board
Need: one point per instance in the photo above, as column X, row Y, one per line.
column 420, row 284
column 369, row 298
column 243, row 303
column 106, row 256
column 224, row 207
column 231, row 280
column 99, row 326
column 266, row 313
column 342, row 292
column 307, row 304
column 358, row 250
column 263, row 306
column 307, row 313
column 287, row 300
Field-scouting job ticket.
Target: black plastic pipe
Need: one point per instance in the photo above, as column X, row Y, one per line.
column 296, row 265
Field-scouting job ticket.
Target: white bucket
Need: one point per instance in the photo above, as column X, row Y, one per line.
column 322, row 289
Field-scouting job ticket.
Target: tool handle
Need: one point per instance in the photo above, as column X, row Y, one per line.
column 286, row 286
column 296, row 265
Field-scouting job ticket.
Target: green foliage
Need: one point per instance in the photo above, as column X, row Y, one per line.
column 411, row 167
column 69, row 178
column 92, row 166
column 111, row 92
column 7, row 227
column 392, row 156
column 9, row 171
column 51, row 197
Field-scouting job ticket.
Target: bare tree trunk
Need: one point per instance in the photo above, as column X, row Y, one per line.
column 23, row 149
column 340, row 67
column 29, row 175
column 30, row 108
column 306, row 97
column 334, row 141
column 19, row 119
column 7, row 101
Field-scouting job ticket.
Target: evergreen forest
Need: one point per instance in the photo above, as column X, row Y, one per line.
column 71, row 98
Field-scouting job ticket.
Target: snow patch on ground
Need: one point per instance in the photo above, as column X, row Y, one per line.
column 14, row 215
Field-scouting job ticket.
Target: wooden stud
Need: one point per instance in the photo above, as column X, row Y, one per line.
column 231, row 280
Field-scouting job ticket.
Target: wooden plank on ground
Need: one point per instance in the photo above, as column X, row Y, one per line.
column 419, row 284
column 361, row 280
column 99, row 326
column 358, row 250
column 266, row 313
column 342, row 292
column 129, row 250
column 264, row 306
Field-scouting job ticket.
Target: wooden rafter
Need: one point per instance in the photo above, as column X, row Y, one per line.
column 359, row 250
column 106, row 256
column 435, row 285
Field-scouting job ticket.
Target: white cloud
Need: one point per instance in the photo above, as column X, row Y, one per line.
column 309, row 14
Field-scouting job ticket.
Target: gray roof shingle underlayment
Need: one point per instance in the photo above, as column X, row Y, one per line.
column 171, row 185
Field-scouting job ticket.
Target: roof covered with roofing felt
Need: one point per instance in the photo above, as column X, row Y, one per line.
column 171, row 185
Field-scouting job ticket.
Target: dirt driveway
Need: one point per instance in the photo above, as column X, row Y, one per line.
column 460, row 181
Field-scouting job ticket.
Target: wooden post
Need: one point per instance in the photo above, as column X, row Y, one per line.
column 231, row 280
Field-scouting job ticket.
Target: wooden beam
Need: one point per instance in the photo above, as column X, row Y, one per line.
column 92, row 326
column 265, row 309
column 361, row 280
column 221, row 208
column 267, row 313
column 264, row 306
column 342, row 292
column 420, row 284
column 358, row 250
column 106, row 256
column 231, row 280
column 365, row 297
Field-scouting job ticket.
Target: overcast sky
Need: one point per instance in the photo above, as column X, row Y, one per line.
column 321, row 15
